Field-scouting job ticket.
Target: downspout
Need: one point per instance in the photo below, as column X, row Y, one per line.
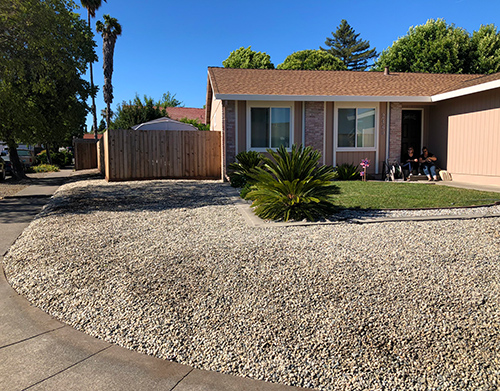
column 303, row 124
column 388, row 125
column 236, row 109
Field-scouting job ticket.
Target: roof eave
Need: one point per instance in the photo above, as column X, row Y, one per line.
column 466, row 91
column 324, row 98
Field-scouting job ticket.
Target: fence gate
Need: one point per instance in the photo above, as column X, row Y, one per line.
column 85, row 154
column 154, row 154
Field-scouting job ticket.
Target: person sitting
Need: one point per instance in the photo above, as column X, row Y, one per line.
column 427, row 162
column 410, row 164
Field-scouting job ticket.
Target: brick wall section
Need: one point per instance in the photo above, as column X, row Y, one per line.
column 395, row 132
column 229, row 134
column 314, row 126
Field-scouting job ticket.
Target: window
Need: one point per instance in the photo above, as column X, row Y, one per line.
column 270, row 127
column 356, row 127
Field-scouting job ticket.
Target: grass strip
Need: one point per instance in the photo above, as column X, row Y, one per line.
column 394, row 195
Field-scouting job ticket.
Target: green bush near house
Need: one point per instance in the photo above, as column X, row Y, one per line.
column 347, row 172
column 291, row 185
column 245, row 162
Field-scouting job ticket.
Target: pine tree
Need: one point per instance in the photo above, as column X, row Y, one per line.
column 346, row 45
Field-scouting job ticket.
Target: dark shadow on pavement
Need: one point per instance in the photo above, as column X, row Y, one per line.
column 141, row 196
column 20, row 210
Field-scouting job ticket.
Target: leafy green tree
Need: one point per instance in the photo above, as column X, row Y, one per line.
column 346, row 45
column 485, row 50
column 137, row 112
column 101, row 128
column 110, row 30
column 312, row 60
column 92, row 6
column 45, row 48
column 168, row 100
column 434, row 47
column 248, row 59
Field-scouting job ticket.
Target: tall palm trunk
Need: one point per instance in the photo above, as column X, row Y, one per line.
column 110, row 30
column 108, row 49
column 93, row 108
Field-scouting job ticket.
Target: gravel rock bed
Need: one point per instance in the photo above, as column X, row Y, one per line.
column 171, row 269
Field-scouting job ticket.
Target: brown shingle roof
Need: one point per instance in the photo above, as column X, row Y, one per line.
column 475, row 81
column 226, row 81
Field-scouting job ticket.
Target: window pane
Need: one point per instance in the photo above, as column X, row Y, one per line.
column 366, row 128
column 347, row 127
column 259, row 127
column 280, row 127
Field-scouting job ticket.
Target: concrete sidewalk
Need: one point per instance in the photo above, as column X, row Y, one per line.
column 38, row 352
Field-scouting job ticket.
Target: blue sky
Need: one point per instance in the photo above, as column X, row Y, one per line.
column 168, row 45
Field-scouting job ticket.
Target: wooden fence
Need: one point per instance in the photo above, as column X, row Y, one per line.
column 85, row 154
column 154, row 154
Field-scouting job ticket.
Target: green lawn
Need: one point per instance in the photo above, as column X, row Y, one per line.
column 394, row 195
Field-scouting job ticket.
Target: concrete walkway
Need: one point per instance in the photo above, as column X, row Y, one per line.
column 38, row 352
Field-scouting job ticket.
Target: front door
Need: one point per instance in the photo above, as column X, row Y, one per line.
column 411, row 131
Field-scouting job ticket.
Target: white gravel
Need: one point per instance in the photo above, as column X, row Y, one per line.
column 171, row 268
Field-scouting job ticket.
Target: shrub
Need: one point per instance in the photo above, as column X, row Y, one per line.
column 246, row 162
column 61, row 159
column 45, row 168
column 293, row 186
column 347, row 172
column 196, row 123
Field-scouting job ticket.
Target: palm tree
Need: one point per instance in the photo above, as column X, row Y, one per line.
column 92, row 6
column 110, row 30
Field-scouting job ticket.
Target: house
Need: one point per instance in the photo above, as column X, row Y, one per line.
column 178, row 113
column 349, row 116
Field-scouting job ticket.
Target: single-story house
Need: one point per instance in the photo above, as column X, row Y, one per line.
column 349, row 116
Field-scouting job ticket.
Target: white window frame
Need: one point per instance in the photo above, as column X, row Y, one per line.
column 267, row 105
column 355, row 105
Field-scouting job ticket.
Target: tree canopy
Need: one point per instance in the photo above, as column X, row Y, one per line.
column 438, row 47
column 248, row 59
column 168, row 100
column 434, row 47
column 312, row 60
column 346, row 45
column 138, row 111
column 46, row 48
column 485, row 51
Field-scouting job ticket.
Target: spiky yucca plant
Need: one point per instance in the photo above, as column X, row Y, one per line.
column 347, row 172
column 246, row 161
column 293, row 186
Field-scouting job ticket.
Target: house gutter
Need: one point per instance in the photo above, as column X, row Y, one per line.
column 466, row 91
column 324, row 98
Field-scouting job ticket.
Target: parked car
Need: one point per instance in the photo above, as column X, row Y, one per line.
column 3, row 174
column 8, row 165
column 26, row 156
